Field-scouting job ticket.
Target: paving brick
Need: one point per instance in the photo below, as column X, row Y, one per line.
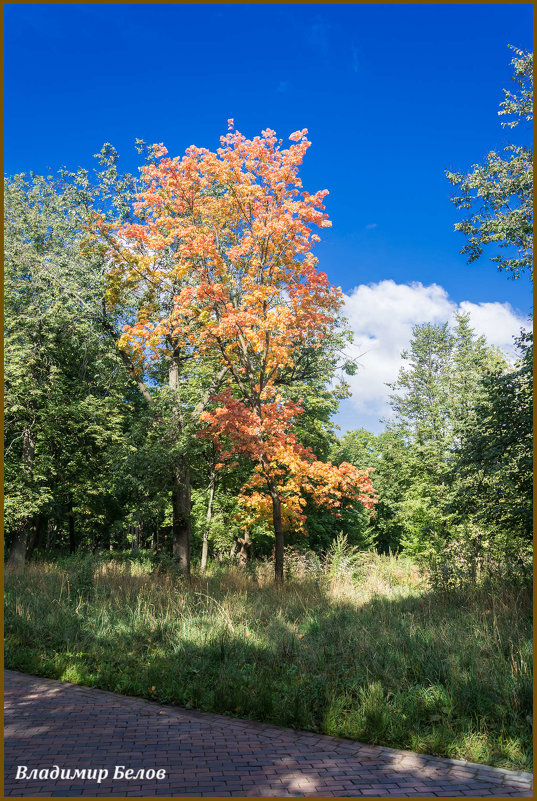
column 56, row 723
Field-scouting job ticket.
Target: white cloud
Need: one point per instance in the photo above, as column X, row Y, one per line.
column 382, row 316
column 496, row 321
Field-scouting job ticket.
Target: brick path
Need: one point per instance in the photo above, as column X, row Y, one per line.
column 51, row 723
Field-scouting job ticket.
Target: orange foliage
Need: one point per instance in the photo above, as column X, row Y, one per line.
column 226, row 237
column 228, row 234
column 267, row 438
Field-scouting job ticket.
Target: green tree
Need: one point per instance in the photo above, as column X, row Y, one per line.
column 388, row 454
column 500, row 192
column 420, row 401
column 433, row 401
column 472, row 359
column 66, row 398
column 493, row 466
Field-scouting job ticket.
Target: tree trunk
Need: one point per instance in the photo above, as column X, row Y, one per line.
column 52, row 530
column 166, row 538
column 181, row 484
column 205, row 544
column 36, row 536
column 135, row 536
column 17, row 556
column 181, row 517
column 71, row 527
column 155, row 535
column 276, row 521
column 278, row 535
column 244, row 553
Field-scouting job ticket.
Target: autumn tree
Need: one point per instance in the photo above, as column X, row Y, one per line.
column 227, row 238
column 142, row 282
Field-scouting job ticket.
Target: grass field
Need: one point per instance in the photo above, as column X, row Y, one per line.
column 363, row 650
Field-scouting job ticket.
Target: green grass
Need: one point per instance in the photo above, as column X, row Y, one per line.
column 363, row 650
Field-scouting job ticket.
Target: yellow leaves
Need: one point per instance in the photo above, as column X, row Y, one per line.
column 123, row 341
column 225, row 244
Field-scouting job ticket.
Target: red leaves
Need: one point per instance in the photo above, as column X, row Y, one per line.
column 266, row 437
column 221, row 262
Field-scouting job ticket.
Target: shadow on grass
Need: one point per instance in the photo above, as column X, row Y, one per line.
column 433, row 674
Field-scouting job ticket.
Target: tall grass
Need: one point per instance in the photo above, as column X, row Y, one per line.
column 354, row 645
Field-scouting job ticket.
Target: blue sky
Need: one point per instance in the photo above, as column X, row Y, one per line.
column 392, row 95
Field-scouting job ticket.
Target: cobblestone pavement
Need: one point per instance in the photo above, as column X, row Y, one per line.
column 50, row 723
